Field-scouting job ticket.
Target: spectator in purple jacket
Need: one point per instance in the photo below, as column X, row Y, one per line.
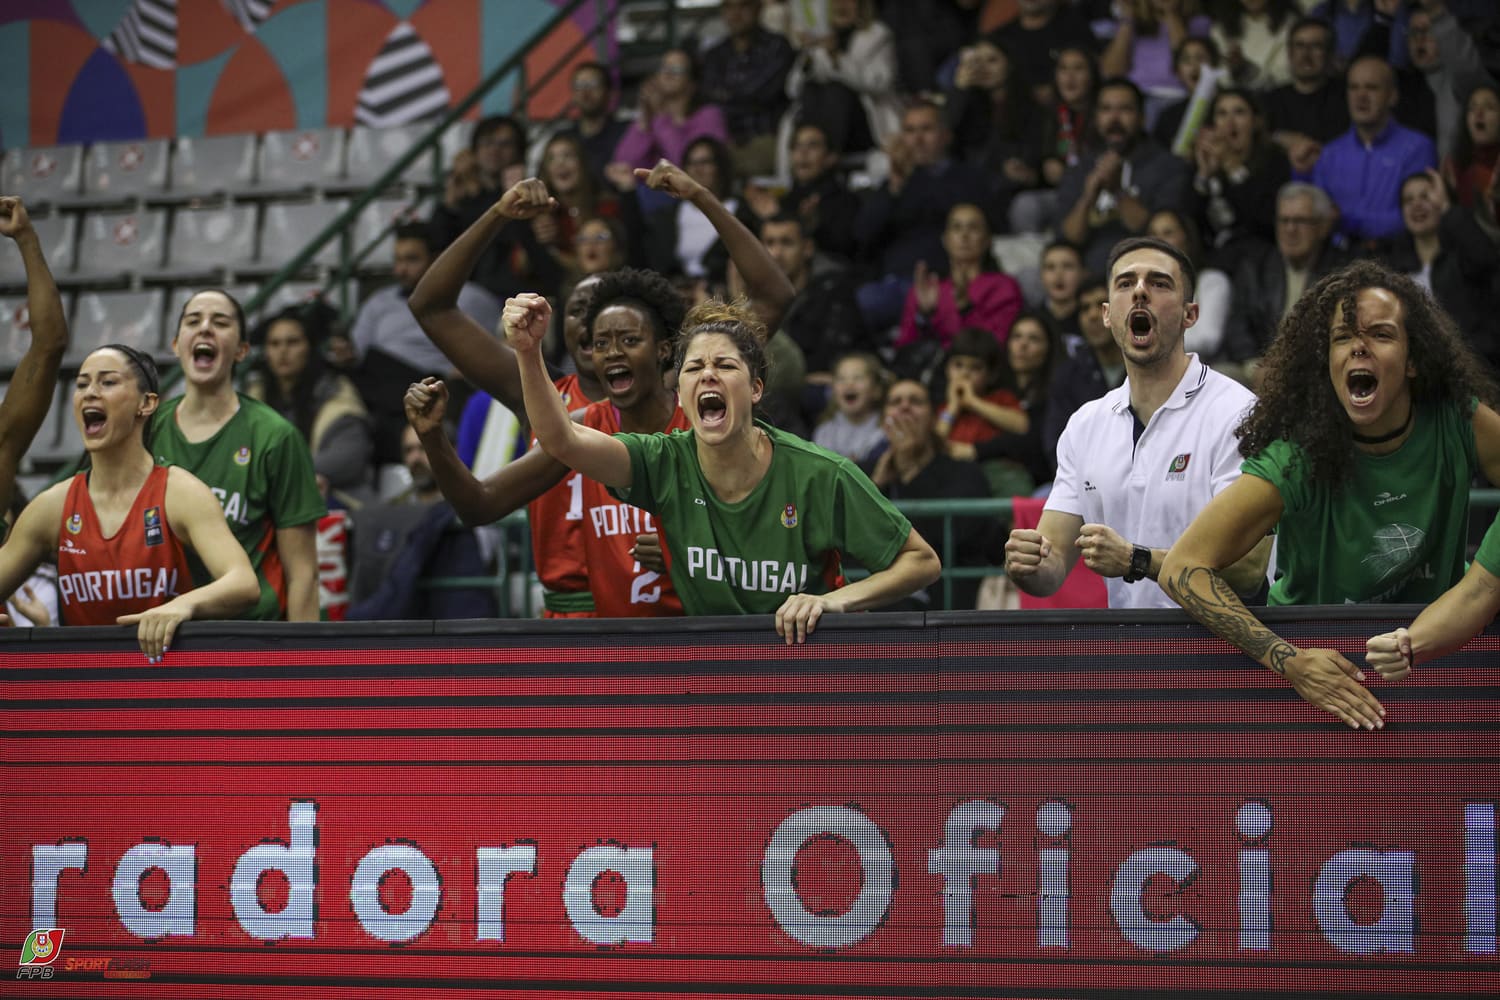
column 670, row 115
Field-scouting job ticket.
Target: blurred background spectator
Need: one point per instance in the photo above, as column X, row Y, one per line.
column 291, row 377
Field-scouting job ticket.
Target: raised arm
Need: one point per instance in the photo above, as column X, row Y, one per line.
column 769, row 288
column 1232, row 524
column 26, row 402
column 196, row 517
column 32, row 539
column 598, row 456
column 475, row 501
column 480, row 356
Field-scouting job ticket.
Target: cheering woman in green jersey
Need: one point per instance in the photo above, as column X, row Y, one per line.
column 253, row 460
column 756, row 520
column 1371, row 423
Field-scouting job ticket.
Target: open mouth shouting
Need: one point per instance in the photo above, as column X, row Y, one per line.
column 619, row 378
column 1361, row 384
column 1140, row 324
column 713, row 409
column 205, row 355
column 94, row 421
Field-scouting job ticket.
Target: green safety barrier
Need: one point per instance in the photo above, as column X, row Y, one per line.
column 515, row 527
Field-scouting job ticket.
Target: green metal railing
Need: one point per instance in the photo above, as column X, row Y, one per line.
column 997, row 507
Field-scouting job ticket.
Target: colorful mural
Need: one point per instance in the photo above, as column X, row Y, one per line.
column 93, row 70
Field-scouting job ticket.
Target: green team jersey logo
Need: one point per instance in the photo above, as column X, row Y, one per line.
column 789, row 516
column 242, row 457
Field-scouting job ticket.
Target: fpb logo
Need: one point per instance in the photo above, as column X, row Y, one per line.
column 42, row 946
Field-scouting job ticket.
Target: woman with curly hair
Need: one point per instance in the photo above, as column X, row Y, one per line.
column 757, row 521
column 1374, row 417
column 633, row 315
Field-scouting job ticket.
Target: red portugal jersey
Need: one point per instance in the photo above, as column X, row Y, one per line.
column 622, row 589
column 556, row 522
column 143, row 565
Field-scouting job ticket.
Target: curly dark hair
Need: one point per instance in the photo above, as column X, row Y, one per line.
column 648, row 291
column 1297, row 399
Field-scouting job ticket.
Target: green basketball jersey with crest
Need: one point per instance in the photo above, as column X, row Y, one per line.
column 260, row 469
column 788, row 536
column 1396, row 530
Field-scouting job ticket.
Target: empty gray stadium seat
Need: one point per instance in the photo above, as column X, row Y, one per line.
column 119, row 170
column 301, row 159
column 290, row 226
column 133, row 318
column 59, row 439
column 57, row 233
column 213, row 164
column 372, row 150
column 375, row 217
column 112, row 244
column 205, row 240
column 292, row 293
column 44, row 174
column 15, row 327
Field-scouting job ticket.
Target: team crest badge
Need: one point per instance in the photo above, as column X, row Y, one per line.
column 42, row 946
column 1178, row 468
column 242, row 457
column 75, row 524
column 789, row 516
column 153, row 526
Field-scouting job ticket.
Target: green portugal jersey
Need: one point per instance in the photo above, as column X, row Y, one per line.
column 1393, row 533
column 260, row 468
column 788, row 536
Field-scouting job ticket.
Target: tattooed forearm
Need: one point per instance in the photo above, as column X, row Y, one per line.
column 1205, row 595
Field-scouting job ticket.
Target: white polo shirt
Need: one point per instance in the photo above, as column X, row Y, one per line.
column 1151, row 489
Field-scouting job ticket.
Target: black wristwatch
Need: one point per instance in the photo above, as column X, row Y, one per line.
column 1140, row 564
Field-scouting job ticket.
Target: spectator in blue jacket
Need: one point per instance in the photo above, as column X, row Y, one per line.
column 1362, row 169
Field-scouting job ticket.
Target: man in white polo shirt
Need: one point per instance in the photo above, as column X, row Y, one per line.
column 1135, row 466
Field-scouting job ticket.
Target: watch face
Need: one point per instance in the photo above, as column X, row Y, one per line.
column 1140, row 563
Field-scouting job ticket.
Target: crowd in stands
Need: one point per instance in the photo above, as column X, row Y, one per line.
column 940, row 203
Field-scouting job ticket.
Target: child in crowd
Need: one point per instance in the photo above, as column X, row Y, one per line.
column 852, row 425
column 976, row 411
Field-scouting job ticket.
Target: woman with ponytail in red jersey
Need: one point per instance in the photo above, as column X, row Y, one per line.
column 122, row 529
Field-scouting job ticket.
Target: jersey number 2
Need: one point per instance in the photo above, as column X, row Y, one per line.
column 639, row 594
